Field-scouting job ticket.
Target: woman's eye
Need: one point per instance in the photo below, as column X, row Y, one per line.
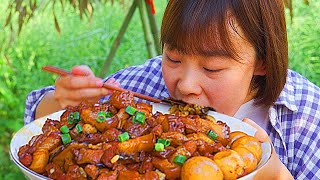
column 212, row 70
column 173, row 61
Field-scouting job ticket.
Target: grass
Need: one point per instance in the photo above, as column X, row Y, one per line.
column 304, row 44
column 39, row 44
column 84, row 42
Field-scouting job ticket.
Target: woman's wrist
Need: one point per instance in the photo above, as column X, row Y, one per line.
column 47, row 105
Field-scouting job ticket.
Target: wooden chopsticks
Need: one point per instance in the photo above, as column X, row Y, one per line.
column 63, row 72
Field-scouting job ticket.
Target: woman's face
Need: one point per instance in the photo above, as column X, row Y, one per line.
column 218, row 80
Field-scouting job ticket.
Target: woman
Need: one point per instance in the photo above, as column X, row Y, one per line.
column 230, row 55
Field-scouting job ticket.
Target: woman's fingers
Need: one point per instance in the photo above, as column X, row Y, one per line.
column 71, row 90
column 81, row 85
column 113, row 82
column 82, row 70
column 76, row 82
column 261, row 134
column 81, row 94
column 274, row 169
column 110, row 81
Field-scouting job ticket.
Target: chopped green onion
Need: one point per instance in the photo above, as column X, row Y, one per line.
column 130, row 110
column 101, row 116
column 159, row 147
column 74, row 117
column 64, row 129
column 109, row 115
column 139, row 117
column 124, row 137
column 165, row 142
column 180, row 159
column 79, row 128
column 212, row 135
column 66, row 138
column 70, row 118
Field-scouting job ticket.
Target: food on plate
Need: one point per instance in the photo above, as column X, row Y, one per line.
column 123, row 139
column 250, row 143
column 200, row 168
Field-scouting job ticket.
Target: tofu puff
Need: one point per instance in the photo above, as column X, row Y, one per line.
column 241, row 159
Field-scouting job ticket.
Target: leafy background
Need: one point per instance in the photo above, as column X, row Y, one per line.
column 88, row 42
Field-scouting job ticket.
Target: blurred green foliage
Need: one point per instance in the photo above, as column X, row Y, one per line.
column 80, row 42
column 84, row 42
column 304, row 40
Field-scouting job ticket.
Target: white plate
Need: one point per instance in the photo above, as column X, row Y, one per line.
column 24, row 135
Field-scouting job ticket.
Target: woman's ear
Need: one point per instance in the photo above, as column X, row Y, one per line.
column 260, row 69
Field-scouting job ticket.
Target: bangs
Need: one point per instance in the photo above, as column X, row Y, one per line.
column 198, row 27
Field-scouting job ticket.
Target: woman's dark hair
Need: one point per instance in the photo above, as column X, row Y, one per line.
column 198, row 26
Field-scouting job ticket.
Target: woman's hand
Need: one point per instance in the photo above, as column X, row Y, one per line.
column 274, row 169
column 79, row 86
column 72, row 89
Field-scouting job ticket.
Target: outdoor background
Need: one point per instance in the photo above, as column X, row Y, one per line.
column 84, row 42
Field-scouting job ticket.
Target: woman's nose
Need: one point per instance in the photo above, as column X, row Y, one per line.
column 189, row 84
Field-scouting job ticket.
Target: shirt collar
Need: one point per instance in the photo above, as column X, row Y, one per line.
column 287, row 95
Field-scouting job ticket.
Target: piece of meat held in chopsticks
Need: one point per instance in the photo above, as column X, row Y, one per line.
column 114, row 112
column 122, row 99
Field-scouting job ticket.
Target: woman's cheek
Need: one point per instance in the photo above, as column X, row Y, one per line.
column 169, row 81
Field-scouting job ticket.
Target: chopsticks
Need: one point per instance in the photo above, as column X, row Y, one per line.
column 63, row 72
column 169, row 101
